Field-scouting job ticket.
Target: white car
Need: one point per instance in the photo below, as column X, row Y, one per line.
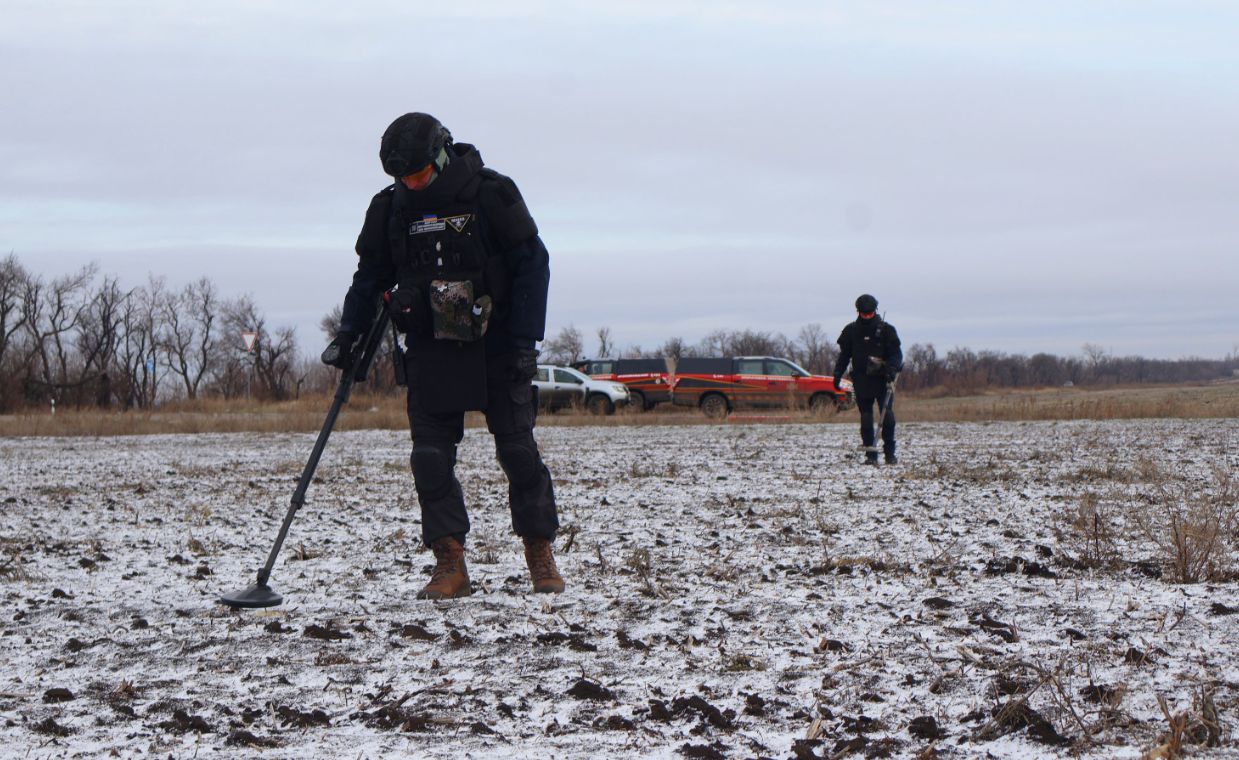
column 560, row 387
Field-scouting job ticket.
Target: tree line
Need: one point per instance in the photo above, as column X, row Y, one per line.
column 84, row 339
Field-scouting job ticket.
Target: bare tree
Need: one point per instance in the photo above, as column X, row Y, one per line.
column 141, row 345
column 566, row 347
column 674, row 349
column 756, row 343
column 330, row 323
column 715, row 343
column 271, row 356
column 605, row 347
column 99, row 333
column 1097, row 359
column 190, row 325
column 921, row 367
column 816, row 352
column 13, row 278
column 52, row 313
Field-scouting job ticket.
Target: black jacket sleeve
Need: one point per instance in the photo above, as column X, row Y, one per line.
column 375, row 271
column 845, row 351
column 894, row 351
column 530, row 266
column 526, row 261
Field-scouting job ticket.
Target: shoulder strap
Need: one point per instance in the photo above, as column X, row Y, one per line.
column 504, row 208
column 373, row 237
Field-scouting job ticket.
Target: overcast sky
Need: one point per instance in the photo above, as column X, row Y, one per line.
column 1012, row 176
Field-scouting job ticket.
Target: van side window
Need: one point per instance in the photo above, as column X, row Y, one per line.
column 750, row 367
column 782, row 369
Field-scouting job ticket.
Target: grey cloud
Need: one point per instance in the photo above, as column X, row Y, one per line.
column 718, row 165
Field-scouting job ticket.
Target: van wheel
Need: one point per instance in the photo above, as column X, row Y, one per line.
column 636, row 400
column 714, row 406
column 600, row 404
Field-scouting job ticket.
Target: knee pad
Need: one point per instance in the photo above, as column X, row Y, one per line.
column 520, row 461
column 432, row 467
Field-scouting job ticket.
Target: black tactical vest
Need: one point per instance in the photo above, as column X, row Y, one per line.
column 443, row 245
column 438, row 245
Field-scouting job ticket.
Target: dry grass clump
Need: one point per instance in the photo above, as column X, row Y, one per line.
column 13, row 568
column 1089, row 535
column 641, row 564
column 1199, row 725
column 1190, row 524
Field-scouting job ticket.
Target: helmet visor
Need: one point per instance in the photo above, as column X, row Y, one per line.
column 420, row 179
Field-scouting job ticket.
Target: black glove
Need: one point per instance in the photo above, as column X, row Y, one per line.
column 838, row 380
column 339, row 352
column 524, row 365
column 891, row 373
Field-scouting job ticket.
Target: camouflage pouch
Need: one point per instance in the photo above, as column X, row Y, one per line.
column 455, row 313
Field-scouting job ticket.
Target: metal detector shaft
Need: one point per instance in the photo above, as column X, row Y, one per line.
column 887, row 403
column 356, row 371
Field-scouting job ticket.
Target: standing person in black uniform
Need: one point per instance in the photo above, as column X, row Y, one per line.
column 872, row 347
column 456, row 256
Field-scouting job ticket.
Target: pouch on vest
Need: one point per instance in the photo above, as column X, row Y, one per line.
column 875, row 367
column 455, row 314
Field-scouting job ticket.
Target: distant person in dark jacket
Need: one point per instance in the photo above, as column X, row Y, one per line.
column 454, row 248
column 871, row 345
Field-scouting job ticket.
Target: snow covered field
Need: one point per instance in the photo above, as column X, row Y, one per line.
column 734, row 591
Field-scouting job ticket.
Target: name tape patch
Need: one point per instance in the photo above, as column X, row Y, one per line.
column 433, row 223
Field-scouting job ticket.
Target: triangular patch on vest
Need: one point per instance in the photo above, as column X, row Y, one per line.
column 458, row 222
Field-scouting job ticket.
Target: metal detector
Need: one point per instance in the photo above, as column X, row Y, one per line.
column 260, row 594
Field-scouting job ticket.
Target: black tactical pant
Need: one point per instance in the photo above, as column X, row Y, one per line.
column 510, row 414
column 865, row 404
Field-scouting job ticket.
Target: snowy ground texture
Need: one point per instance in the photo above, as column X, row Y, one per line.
column 734, row 591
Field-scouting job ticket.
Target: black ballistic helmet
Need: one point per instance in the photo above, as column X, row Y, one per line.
column 411, row 142
column 866, row 304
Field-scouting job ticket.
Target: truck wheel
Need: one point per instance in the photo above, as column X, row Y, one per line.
column 600, row 404
column 636, row 400
column 714, row 406
column 823, row 404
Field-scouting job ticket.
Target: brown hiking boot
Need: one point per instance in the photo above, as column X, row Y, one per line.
column 542, row 569
column 450, row 577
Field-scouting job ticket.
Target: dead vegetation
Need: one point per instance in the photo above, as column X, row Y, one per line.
column 371, row 411
column 1193, row 526
column 1089, row 536
column 1198, row 725
column 1189, row 524
column 12, row 568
